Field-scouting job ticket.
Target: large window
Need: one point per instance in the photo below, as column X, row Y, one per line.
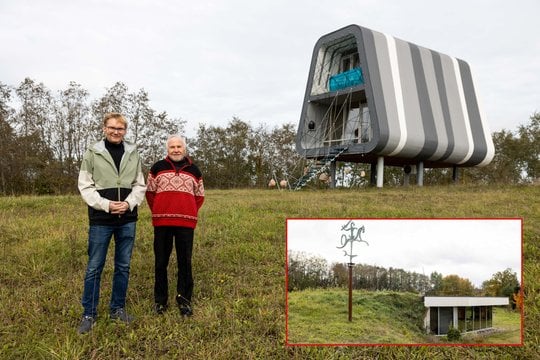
column 462, row 318
column 446, row 316
column 349, row 61
column 440, row 319
column 434, row 320
column 468, row 318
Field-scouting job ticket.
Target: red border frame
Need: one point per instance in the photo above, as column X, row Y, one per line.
column 287, row 344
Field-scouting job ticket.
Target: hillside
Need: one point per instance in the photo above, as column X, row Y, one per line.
column 320, row 316
column 239, row 270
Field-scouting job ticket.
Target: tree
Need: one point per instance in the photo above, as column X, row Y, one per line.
column 305, row 271
column 35, row 136
column 453, row 285
column 529, row 143
column 7, row 142
column 209, row 152
column 502, row 283
column 239, row 156
column 283, row 160
column 145, row 128
column 517, row 157
column 70, row 125
column 436, row 280
column 340, row 274
column 35, row 111
column 114, row 100
column 517, row 299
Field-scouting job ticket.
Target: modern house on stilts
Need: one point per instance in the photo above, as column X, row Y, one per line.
column 372, row 98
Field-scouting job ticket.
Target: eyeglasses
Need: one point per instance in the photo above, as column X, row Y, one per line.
column 112, row 128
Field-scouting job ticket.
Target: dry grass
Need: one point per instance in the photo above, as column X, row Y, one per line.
column 239, row 260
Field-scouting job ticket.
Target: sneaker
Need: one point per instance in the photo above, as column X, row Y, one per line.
column 160, row 308
column 122, row 315
column 86, row 324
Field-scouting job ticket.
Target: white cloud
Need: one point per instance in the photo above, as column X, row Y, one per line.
column 206, row 61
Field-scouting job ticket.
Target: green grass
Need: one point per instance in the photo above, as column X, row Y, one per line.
column 239, row 259
column 320, row 316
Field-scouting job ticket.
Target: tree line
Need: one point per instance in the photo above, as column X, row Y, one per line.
column 307, row 272
column 44, row 134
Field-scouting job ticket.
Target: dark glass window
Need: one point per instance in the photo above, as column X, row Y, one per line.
column 446, row 315
column 434, row 320
column 462, row 318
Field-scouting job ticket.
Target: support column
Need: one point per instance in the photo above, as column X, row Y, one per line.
column 420, row 174
column 455, row 320
column 380, row 171
column 332, row 175
column 372, row 174
column 406, row 175
column 455, row 174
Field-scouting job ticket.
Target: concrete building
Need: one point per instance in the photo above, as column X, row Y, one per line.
column 466, row 313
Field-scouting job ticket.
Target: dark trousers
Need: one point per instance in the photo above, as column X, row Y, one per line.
column 163, row 243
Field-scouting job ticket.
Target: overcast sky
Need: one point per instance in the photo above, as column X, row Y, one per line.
column 472, row 249
column 207, row 61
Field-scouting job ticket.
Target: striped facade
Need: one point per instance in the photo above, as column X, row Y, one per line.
column 412, row 104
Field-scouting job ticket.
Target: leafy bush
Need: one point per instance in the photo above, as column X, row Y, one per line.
column 453, row 334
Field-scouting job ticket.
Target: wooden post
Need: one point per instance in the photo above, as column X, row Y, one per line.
column 350, row 290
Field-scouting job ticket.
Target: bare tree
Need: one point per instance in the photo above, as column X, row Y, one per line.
column 71, row 124
column 7, row 141
column 147, row 129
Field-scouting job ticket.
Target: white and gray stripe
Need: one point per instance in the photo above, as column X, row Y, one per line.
column 423, row 104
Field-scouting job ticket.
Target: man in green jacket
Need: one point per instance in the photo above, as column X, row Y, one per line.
column 111, row 182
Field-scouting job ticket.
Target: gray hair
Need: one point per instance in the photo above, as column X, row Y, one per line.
column 179, row 137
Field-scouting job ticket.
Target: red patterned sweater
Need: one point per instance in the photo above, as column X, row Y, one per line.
column 175, row 193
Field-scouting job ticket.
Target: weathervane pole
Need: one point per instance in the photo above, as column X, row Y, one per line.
column 355, row 235
column 350, row 290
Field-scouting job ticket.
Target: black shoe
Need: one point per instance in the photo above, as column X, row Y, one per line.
column 122, row 315
column 86, row 324
column 184, row 305
column 160, row 308
column 185, row 310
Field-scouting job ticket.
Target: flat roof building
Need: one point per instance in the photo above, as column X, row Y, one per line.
column 466, row 313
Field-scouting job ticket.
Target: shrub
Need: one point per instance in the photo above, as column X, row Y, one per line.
column 453, row 334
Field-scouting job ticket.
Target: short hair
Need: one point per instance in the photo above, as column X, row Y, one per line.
column 179, row 137
column 114, row 115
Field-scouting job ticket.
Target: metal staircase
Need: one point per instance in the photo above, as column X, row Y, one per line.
column 318, row 167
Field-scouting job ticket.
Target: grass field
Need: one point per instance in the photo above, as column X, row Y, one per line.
column 320, row 316
column 239, row 258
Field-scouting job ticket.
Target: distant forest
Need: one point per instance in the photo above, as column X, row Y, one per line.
column 308, row 272
column 44, row 134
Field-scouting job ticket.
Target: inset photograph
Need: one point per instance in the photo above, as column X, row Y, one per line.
column 404, row 282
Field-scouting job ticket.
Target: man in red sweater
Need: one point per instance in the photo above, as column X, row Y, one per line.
column 175, row 193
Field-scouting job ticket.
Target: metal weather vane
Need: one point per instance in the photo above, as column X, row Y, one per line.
column 354, row 234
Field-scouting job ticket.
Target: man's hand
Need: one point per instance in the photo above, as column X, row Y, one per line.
column 118, row 207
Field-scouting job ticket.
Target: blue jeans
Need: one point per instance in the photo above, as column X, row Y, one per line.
column 99, row 237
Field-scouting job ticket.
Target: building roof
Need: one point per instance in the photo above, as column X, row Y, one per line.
column 441, row 301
